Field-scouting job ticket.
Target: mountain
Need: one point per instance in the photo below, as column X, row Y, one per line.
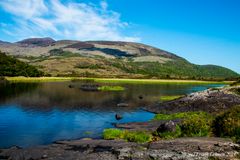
column 109, row 59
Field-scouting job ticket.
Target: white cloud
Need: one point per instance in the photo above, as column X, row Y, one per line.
column 60, row 20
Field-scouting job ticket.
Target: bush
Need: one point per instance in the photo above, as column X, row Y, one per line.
column 196, row 125
column 131, row 136
column 227, row 124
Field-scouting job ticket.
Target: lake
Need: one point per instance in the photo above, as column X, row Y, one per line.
column 41, row 113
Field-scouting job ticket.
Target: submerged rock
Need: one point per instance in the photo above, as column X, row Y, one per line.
column 118, row 117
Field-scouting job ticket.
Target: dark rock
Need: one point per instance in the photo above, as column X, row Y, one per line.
column 177, row 149
column 118, row 117
column 71, row 86
column 169, row 126
column 140, row 97
column 123, row 105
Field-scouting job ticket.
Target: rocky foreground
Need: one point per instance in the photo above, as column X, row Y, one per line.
column 195, row 148
column 182, row 148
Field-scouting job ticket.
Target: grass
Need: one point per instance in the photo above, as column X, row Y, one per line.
column 111, row 88
column 37, row 79
column 130, row 136
column 156, row 81
column 169, row 98
column 180, row 115
column 193, row 124
column 114, row 80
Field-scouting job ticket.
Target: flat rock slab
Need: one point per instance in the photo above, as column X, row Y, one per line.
column 183, row 148
column 211, row 101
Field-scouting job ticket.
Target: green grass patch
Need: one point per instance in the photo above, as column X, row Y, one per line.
column 155, row 81
column 111, row 88
column 169, row 98
column 179, row 115
column 37, row 79
column 130, row 136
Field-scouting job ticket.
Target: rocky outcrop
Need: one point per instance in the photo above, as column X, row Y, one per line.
column 183, row 148
column 211, row 101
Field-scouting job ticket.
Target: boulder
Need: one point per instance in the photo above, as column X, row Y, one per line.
column 169, row 126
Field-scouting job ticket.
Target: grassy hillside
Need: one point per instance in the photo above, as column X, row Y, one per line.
column 109, row 59
column 10, row 66
column 71, row 64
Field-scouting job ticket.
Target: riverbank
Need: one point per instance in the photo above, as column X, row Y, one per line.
column 177, row 149
column 113, row 80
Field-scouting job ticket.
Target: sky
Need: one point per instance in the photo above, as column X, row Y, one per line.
column 201, row 31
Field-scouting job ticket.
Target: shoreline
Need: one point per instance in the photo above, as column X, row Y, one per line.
column 114, row 80
column 177, row 148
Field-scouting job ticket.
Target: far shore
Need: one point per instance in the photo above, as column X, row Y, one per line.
column 114, row 80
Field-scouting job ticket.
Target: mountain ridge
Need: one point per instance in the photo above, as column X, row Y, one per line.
column 109, row 59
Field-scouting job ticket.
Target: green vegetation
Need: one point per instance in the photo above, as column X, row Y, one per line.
column 227, row 124
column 10, row 66
column 111, row 88
column 113, row 81
column 180, row 115
column 170, row 135
column 131, row 136
column 154, row 81
column 193, row 124
column 169, row 98
column 196, row 125
column 37, row 79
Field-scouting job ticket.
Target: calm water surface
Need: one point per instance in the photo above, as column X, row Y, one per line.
column 41, row 113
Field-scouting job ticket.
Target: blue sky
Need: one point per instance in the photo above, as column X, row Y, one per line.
column 202, row 31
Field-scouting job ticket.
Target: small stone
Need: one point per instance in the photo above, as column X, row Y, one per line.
column 122, row 105
column 44, row 156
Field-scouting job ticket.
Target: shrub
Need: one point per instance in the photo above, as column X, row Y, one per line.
column 196, row 125
column 227, row 124
column 131, row 136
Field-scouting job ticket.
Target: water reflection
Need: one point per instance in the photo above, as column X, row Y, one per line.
column 40, row 113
